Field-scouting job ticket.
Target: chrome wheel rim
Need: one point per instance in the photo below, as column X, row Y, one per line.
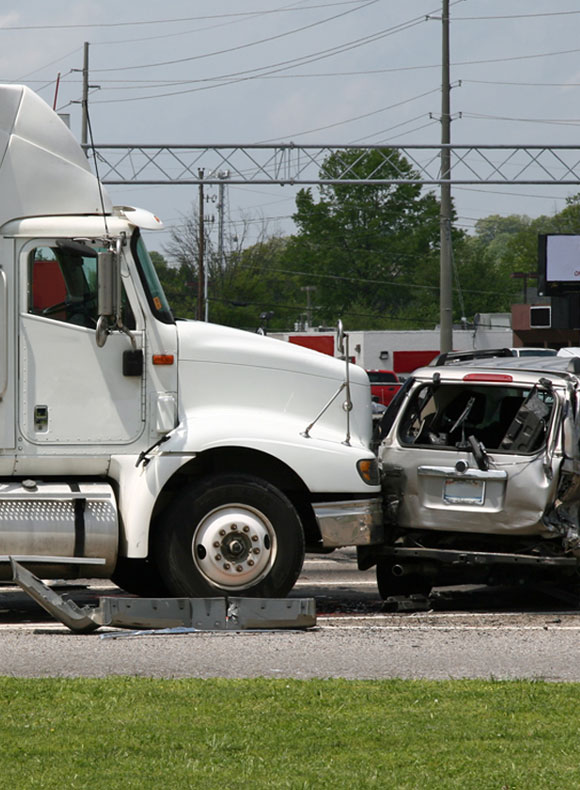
column 234, row 546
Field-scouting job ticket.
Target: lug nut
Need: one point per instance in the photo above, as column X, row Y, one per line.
column 246, row 528
column 256, row 551
column 255, row 538
column 218, row 557
column 239, row 568
column 250, row 563
column 216, row 544
column 227, row 566
column 234, row 527
column 222, row 532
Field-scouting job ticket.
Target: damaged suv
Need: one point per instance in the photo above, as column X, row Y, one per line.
column 481, row 476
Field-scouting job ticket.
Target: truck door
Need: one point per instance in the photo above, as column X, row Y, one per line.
column 71, row 391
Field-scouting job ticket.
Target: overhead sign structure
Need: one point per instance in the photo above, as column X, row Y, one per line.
column 558, row 264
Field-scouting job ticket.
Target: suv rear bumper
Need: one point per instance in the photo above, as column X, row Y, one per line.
column 357, row 522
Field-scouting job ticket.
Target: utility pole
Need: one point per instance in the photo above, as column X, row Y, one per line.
column 221, row 207
column 85, row 100
column 201, row 244
column 445, row 279
column 309, row 289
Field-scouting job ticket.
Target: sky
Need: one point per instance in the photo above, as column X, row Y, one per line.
column 310, row 71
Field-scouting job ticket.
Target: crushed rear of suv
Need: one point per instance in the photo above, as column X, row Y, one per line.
column 481, row 476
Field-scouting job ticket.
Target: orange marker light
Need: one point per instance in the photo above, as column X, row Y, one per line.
column 163, row 359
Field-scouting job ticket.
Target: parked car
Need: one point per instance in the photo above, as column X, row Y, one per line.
column 481, row 476
column 384, row 385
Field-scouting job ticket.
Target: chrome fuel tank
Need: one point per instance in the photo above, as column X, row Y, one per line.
column 58, row 529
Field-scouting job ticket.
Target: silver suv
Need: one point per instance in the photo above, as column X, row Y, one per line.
column 481, row 471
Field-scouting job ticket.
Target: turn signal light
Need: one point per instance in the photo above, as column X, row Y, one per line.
column 163, row 359
column 368, row 469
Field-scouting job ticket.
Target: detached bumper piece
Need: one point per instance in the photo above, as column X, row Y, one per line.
column 171, row 614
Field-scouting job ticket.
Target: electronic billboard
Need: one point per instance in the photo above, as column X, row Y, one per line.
column 558, row 264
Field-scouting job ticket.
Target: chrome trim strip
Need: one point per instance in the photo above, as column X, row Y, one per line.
column 469, row 474
column 47, row 559
column 23, row 495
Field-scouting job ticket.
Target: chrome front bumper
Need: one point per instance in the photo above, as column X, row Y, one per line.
column 356, row 522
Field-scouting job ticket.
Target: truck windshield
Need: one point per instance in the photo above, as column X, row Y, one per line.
column 150, row 281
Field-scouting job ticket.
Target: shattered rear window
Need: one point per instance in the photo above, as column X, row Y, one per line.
column 503, row 419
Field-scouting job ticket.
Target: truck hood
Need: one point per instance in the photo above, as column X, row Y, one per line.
column 232, row 369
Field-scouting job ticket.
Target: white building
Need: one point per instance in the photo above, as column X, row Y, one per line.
column 406, row 350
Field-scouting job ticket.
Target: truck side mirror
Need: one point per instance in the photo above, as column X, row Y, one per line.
column 106, row 277
column 107, row 299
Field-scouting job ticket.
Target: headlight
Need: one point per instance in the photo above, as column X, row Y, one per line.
column 368, row 469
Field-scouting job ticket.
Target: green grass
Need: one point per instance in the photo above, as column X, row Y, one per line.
column 163, row 734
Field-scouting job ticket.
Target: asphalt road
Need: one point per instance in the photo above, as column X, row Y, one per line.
column 473, row 632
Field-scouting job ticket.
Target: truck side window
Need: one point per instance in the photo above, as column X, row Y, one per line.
column 62, row 285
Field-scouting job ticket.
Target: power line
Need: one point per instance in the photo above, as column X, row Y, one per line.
column 509, row 194
column 175, row 20
column 293, row 135
column 515, row 16
column 239, row 47
column 250, row 75
column 241, row 76
column 390, row 316
column 551, row 121
column 526, row 84
column 46, row 65
column 389, row 283
column 262, row 71
column 396, row 126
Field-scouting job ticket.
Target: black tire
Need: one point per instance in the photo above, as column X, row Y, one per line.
column 409, row 583
column 230, row 535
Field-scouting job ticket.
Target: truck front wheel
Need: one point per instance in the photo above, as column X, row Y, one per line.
column 230, row 534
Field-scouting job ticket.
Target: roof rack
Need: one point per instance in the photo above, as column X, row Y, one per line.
column 455, row 357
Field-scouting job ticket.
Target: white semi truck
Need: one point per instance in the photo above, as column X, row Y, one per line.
column 174, row 456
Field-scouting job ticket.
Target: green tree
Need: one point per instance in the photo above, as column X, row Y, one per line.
column 502, row 246
column 253, row 284
column 365, row 247
column 244, row 282
column 177, row 284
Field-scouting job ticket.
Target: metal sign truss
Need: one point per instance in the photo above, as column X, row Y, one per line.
column 290, row 164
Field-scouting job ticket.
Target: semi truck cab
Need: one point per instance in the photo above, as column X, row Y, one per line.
column 174, row 456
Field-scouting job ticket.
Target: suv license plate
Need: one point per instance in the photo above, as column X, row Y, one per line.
column 464, row 492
